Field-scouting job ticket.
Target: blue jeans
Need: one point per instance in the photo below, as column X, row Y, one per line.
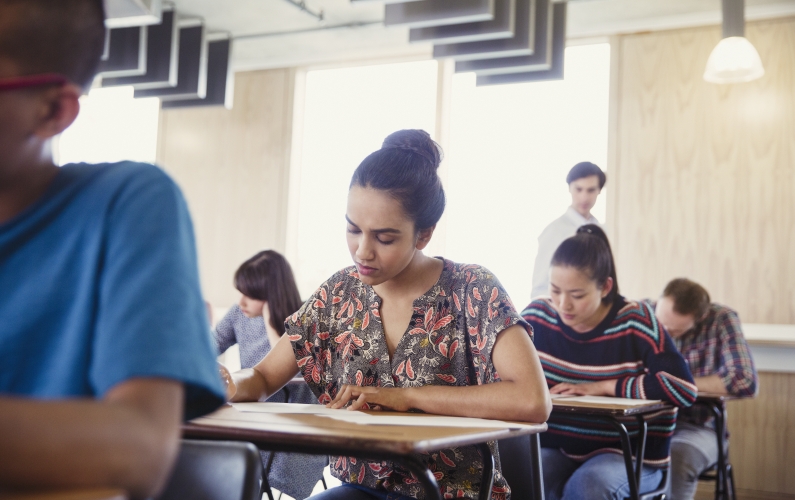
column 347, row 491
column 602, row 477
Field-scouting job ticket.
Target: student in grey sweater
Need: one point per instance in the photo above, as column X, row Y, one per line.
column 269, row 296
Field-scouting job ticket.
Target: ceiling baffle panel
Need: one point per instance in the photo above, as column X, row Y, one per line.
column 540, row 60
column 502, row 26
column 161, row 57
column 192, row 70
column 521, row 44
column 438, row 12
column 558, row 52
column 220, row 77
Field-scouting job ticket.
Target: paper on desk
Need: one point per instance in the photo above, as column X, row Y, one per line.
column 421, row 420
column 283, row 408
column 358, row 417
column 604, row 400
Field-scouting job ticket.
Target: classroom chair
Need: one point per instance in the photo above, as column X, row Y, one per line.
column 660, row 493
column 215, row 470
column 516, row 457
column 721, row 472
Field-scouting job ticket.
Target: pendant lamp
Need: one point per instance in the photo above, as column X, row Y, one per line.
column 734, row 59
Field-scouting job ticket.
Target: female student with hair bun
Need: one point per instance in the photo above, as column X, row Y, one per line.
column 402, row 331
column 268, row 296
column 591, row 341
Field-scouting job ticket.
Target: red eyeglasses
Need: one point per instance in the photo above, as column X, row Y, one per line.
column 26, row 82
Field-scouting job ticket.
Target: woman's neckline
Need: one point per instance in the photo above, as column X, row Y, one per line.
column 426, row 292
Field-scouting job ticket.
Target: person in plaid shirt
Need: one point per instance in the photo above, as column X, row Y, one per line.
column 710, row 339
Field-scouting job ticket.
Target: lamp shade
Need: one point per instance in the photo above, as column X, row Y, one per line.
column 733, row 60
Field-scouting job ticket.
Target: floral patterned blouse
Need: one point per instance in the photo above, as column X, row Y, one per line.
column 338, row 339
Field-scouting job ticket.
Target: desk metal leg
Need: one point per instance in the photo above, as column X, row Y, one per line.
column 641, row 451
column 424, row 475
column 487, row 477
column 265, row 487
column 538, row 474
column 722, row 484
column 626, row 446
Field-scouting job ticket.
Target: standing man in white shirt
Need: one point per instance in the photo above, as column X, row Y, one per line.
column 586, row 181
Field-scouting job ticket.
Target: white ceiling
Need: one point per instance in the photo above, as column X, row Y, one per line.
column 276, row 33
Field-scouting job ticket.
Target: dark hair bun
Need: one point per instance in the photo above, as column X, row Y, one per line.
column 418, row 142
column 406, row 167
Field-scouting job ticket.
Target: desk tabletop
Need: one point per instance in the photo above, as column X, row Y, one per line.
column 709, row 397
column 303, row 432
column 590, row 405
column 77, row 494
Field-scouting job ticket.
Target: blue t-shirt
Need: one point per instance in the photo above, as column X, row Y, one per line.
column 99, row 284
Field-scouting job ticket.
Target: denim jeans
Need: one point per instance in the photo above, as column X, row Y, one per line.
column 602, row 477
column 694, row 448
column 348, row 491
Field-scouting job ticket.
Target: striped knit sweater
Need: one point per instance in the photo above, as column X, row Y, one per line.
column 630, row 347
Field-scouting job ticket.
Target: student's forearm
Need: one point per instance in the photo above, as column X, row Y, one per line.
column 118, row 443
column 710, row 383
column 501, row 400
column 249, row 385
column 268, row 376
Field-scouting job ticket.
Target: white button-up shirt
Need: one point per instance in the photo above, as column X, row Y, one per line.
column 551, row 237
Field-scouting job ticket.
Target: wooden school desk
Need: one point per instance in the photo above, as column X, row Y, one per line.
column 610, row 410
column 304, row 432
column 76, row 494
column 724, row 477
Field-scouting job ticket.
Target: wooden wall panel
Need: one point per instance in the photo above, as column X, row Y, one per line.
column 763, row 436
column 702, row 175
column 233, row 166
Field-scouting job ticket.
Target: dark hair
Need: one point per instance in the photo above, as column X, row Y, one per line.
column 689, row 297
column 53, row 36
column 589, row 251
column 268, row 276
column 586, row 169
column 405, row 167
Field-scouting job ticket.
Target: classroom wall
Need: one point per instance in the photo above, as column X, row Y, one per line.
column 702, row 184
column 702, row 176
column 233, row 166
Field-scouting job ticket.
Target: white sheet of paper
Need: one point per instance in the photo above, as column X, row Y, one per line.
column 284, row 408
column 357, row 417
column 423, row 420
column 607, row 400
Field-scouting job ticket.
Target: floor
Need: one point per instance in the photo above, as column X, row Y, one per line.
column 706, row 491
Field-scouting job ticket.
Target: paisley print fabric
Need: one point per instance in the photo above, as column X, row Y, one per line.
column 338, row 339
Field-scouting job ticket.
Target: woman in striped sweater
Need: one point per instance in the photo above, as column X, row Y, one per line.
column 591, row 341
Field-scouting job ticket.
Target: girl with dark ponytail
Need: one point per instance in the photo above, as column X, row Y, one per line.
column 403, row 331
column 593, row 342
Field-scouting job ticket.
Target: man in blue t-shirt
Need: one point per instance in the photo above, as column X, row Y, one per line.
column 103, row 333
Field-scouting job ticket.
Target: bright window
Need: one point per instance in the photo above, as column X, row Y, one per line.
column 348, row 113
column 511, row 147
column 112, row 126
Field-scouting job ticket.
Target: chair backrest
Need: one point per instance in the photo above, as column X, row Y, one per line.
column 516, row 463
column 215, row 470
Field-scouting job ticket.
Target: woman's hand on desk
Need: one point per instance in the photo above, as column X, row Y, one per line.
column 385, row 397
column 601, row 388
column 229, row 382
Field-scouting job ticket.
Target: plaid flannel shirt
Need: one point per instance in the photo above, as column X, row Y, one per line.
column 715, row 345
